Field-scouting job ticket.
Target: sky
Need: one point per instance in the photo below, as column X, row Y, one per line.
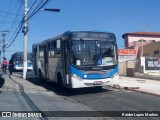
column 116, row 16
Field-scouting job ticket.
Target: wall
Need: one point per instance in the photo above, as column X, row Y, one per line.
column 123, row 66
column 136, row 38
column 148, row 50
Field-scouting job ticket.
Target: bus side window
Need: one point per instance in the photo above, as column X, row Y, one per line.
column 41, row 52
column 37, row 55
column 58, row 48
column 49, row 51
column 52, row 49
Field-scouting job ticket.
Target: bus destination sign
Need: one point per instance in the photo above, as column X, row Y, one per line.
column 93, row 35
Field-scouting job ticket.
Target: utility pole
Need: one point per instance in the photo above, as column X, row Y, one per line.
column 3, row 44
column 24, row 31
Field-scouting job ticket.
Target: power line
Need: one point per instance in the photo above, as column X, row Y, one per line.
column 19, row 27
column 36, row 10
column 15, row 19
column 14, row 36
column 6, row 14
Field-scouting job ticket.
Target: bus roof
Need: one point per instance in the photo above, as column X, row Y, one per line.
column 21, row 52
column 69, row 33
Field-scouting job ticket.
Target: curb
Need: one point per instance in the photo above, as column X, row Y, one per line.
column 143, row 92
column 123, row 87
column 130, row 88
column 143, row 77
column 135, row 89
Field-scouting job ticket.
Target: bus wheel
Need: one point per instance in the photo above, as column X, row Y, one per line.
column 59, row 77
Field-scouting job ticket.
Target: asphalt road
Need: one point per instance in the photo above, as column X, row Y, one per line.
column 37, row 95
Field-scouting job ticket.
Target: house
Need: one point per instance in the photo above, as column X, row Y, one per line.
column 137, row 39
column 146, row 44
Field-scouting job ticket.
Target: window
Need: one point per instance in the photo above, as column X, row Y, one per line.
column 37, row 54
column 58, row 48
column 47, row 47
column 41, row 51
column 55, row 49
column 92, row 53
column 156, row 52
column 52, row 49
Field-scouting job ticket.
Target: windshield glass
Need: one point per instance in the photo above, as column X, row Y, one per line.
column 19, row 57
column 93, row 53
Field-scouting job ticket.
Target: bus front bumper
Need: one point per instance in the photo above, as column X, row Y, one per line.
column 80, row 83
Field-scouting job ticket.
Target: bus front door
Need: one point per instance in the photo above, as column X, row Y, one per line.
column 46, row 62
column 65, row 62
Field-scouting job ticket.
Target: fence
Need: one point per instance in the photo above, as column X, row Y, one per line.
column 148, row 65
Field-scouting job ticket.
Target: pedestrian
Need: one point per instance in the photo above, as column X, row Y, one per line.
column 4, row 65
column 10, row 66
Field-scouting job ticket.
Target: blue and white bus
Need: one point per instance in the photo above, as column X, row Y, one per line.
column 17, row 59
column 77, row 59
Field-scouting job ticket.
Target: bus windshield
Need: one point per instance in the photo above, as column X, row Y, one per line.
column 93, row 53
column 19, row 57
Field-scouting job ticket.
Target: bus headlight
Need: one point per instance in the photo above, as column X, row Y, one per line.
column 115, row 75
column 76, row 77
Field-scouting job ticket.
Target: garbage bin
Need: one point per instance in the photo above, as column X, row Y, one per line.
column 130, row 72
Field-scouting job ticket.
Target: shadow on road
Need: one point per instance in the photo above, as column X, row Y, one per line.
column 50, row 86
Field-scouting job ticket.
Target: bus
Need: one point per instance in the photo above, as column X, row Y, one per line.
column 77, row 59
column 17, row 58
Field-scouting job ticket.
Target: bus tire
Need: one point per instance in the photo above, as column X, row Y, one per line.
column 59, row 77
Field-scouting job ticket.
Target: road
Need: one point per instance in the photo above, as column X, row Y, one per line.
column 36, row 95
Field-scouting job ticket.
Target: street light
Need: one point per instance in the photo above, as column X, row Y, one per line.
column 51, row 10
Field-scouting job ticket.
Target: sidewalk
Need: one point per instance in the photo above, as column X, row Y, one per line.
column 143, row 85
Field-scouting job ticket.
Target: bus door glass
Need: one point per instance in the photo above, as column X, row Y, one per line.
column 65, row 61
column 46, row 47
column 35, row 59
